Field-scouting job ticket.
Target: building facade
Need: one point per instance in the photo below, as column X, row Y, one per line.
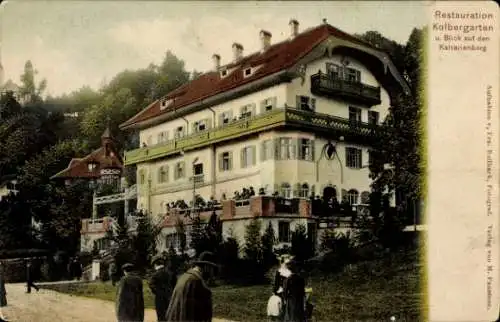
column 296, row 119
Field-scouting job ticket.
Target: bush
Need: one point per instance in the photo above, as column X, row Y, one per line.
column 338, row 250
column 301, row 245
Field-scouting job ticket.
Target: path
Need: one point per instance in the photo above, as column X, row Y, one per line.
column 50, row 306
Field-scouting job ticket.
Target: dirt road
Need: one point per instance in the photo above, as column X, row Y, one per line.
column 50, row 306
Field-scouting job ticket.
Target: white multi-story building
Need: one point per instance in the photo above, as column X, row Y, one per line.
column 296, row 119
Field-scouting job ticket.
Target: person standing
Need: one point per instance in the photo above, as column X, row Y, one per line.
column 77, row 268
column 3, row 294
column 30, row 277
column 192, row 299
column 129, row 296
column 162, row 284
column 294, row 295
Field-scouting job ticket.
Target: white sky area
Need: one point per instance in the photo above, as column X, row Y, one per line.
column 73, row 43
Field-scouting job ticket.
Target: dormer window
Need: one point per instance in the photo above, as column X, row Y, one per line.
column 247, row 72
column 268, row 104
column 223, row 73
column 225, row 117
column 164, row 103
column 201, row 125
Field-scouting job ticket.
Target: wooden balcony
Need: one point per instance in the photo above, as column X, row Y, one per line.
column 99, row 225
column 325, row 85
column 276, row 118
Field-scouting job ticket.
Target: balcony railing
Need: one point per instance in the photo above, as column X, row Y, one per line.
column 264, row 121
column 324, row 84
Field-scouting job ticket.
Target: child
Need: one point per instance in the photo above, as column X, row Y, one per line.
column 275, row 306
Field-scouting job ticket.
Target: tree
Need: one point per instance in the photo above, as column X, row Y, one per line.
column 252, row 249
column 198, row 236
column 29, row 89
column 145, row 240
column 268, row 241
column 181, row 232
column 301, row 247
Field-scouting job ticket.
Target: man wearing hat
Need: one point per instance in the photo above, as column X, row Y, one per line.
column 129, row 296
column 162, row 284
column 192, row 299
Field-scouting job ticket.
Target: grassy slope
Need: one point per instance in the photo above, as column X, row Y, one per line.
column 372, row 290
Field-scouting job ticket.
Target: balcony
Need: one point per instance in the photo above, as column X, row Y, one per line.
column 323, row 84
column 99, row 225
column 265, row 121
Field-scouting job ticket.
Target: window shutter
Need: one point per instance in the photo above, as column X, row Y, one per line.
column 263, row 106
column 360, row 158
column 300, row 154
column 253, row 109
column 297, row 102
column 160, row 137
column 221, row 161
column 230, row 160
column 254, row 155
column 221, row 119
column 313, row 158
column 294, row 149
column 274, row 101
column 262, row 151
column 358, row 76
column 208, row 123
column 296, row 191
column 313, row 104
column 347, row 164
column 230, row 115
column 277, row 149
column 242, row 158
column 195, row 125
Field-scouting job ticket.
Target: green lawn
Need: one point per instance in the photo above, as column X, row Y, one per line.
column 374, row 291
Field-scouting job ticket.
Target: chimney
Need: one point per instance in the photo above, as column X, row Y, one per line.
column 237, row 51
column 265, row 39
column 294, row 28
column 216, row 60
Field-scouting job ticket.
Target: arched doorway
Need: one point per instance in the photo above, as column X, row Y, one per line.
column 329, row 192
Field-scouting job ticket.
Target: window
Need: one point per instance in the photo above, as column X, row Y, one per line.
column 179, row 132
column 286, row 190
column 163, row 174
column 306, row 150
column 352, row 75
column 180, row 170
column 225, row 161
column 162, row 136
column 150, row 140
column 172, row 240
column 248, row 156
column 342, row 72
column 373, row 117
column 268, row 104
column 248, row 72
column 223, row 73
column 286, row 149
column 198, row 169
column 352, row 196
column 246, row 111
column 354, row 114
column 92, row 166
column 142, row 177
column 353, row 157
column 371, row 157
column 225, row 118
column 304, row 191
column 283, row 232
column 306, row 103
column 201, row 125
column 267, row 150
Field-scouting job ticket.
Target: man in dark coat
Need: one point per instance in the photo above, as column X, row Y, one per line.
column 3, row 294
column 192, row 299
column 129, row 297
column 162, row 284
column 30, row 277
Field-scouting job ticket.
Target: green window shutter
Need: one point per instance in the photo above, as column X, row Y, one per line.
column 313, row 158
column 254, row 155
column 347, row 156
column 230, row 160
column 242, row 158
column 253, row 109
column 221, row 162
column 274, row 102
column 262, row 106
column 262, row 151
column 297, row 101
column 358, row 76
column 277, row 149
column 313, row 104
column 360, row 157
column 221, row 119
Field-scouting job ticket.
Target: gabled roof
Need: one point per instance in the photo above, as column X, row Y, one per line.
column 79, row 167
column 276, row 58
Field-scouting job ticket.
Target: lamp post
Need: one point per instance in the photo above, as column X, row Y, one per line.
column 194, row 186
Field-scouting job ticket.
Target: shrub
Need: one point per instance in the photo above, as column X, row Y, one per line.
column 301, row 247
column 253, row 259
column 268, row 241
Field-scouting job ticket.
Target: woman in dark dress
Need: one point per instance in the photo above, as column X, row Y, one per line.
column 3, row 294
column 294, row 295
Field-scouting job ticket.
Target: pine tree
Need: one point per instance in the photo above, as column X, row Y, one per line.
column 300, row 245
column 198, row 236
column 268, row 241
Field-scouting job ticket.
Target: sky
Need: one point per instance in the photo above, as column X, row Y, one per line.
column 77, row 43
